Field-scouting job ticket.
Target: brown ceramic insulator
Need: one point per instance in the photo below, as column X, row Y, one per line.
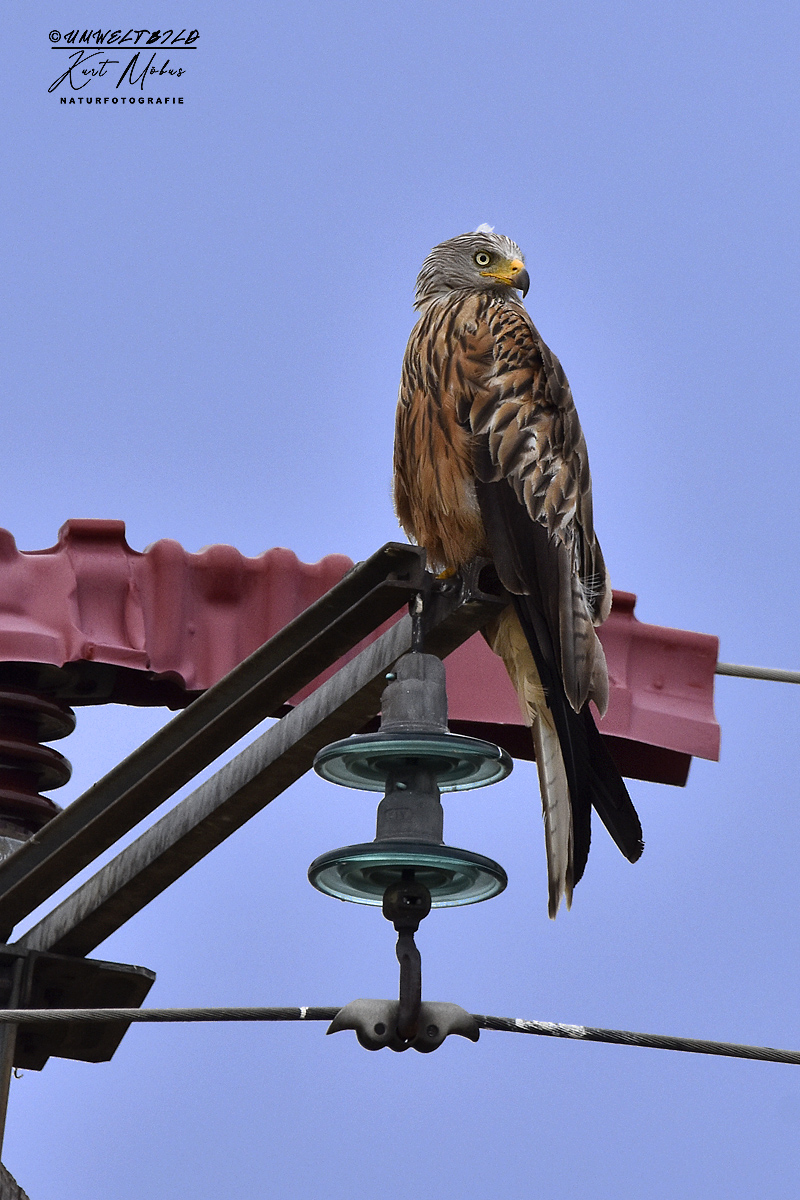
column 26, row 766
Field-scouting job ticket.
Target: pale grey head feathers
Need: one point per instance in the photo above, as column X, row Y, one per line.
column 479, row 261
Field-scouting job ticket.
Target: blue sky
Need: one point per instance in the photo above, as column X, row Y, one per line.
column 206, row 310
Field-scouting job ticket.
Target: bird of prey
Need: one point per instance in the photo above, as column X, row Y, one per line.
column 490, row 460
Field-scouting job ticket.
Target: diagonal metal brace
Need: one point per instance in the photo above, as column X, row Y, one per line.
column 339, row 707
column 370, row 593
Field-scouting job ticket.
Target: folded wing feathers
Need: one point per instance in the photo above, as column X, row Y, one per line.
column 532, row 438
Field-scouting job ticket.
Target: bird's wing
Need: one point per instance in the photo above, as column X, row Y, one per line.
column 533, row 487
column 527, row 438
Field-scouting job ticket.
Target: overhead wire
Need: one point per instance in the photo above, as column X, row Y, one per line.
column 774, row 674
column 581, row 1033
column 618, row 1037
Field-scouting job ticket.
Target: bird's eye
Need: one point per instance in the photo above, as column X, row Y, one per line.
column 482, row 258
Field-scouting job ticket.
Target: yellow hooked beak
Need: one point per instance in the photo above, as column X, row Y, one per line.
column 513, row 274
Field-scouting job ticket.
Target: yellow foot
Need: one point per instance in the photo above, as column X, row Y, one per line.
column 448, row 574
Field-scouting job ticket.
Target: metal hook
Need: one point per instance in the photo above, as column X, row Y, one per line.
column 405, row 904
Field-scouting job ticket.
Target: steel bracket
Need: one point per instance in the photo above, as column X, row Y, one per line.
column 62, row 981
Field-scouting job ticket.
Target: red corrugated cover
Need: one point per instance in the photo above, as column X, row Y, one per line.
column 174, row 623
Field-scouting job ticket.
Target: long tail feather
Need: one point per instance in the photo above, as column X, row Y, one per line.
column 594, row 778
column 575, row 768
column 610, row 796
column 507, row 638
column 556, row 813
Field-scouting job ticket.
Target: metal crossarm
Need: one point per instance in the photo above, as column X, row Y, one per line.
column 373, row 591
column 454, row 610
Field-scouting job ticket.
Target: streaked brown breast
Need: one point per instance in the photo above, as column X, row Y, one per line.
column 444, row 371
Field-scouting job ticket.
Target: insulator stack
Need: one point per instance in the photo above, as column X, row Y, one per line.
column 27, row 767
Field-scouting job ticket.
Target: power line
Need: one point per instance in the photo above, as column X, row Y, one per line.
column 775, row 674
column 42, row 1016
column 651, row 1041
column 580, row 1033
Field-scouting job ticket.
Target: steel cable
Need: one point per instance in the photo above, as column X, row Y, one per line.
column 582, row 1033
column 774, row 674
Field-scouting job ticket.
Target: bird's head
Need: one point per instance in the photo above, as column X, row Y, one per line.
column 478, row 262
